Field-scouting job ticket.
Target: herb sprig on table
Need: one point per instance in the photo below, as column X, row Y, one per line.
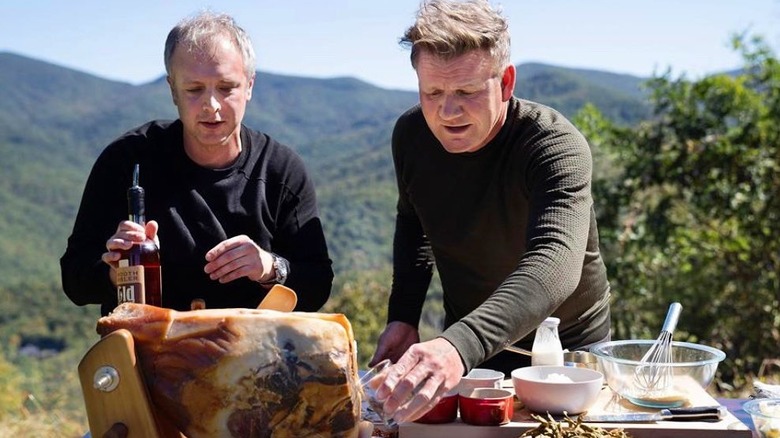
column 569, row 428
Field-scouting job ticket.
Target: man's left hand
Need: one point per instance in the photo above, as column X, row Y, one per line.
column 239, row 257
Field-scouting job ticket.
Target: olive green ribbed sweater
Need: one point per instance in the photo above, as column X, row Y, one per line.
column 510, row 228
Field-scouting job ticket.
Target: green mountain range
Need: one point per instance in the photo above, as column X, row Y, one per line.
column 54, row 121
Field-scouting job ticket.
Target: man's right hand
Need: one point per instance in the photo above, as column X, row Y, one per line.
column 394, row 341
column 127, row 232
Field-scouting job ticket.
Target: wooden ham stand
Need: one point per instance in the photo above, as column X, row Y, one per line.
column 114, row 390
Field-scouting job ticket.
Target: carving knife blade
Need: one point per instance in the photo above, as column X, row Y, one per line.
column 700, row 413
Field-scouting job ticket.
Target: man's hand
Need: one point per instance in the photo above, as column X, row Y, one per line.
column 239, row 257
column 394, row 341
column 127, row 233
column 420, row 378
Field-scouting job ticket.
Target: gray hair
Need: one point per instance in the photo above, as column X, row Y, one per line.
column 448, row 29
column 199, row 32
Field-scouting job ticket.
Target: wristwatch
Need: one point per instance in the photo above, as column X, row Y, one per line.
column 281, row 268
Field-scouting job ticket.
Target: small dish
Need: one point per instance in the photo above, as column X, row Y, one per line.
column 581, row 359
column 486, row 406
column 481, row 378
column 445, row 411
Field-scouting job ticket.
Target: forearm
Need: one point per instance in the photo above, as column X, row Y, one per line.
column 507, row 316
column 546, row 277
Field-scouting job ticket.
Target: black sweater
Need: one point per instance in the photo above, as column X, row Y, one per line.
column 510, row 227
column 266, row 195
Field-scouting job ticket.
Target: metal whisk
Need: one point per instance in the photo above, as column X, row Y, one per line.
column 654, row 373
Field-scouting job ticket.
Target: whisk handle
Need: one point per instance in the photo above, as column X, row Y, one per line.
column 672, row 316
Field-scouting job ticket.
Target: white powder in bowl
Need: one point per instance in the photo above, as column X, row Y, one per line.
column 558, row 378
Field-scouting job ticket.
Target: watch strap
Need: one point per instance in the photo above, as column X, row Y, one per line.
column 281, row 270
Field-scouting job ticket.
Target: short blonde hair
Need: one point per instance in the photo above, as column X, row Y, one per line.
column 200, row 31
column 448, row 29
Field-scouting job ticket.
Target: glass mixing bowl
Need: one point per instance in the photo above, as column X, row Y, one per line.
column 765, row 413
column 693, row 366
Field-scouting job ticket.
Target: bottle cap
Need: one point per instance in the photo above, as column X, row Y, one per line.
column 551, row 321
column 136, row 204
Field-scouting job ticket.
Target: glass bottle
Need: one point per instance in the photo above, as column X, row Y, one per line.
column 547, row 348
column 138, row 276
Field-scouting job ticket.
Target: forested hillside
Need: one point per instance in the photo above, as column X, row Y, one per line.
column 674, row 226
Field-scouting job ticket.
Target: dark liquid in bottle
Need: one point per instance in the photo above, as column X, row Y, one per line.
column 147, row 254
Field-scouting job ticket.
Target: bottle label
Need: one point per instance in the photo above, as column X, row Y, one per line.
column 130, row 284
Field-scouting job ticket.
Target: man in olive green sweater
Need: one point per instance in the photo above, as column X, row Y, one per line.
column 496, row 191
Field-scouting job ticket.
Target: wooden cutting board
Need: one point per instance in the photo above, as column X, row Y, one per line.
column 608, row 402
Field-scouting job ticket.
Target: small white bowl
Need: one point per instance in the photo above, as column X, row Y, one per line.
column 557, row 389
column 480, row 378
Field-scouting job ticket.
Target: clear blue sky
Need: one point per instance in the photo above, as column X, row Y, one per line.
column 123, row 40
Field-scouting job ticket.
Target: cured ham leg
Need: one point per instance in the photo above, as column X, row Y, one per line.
column 246, row 372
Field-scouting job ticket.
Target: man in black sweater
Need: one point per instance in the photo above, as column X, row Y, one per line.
column 233, row 210
column 496, row 191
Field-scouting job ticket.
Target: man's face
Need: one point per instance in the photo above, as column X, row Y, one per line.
column 210, row 89
column 463, row 99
